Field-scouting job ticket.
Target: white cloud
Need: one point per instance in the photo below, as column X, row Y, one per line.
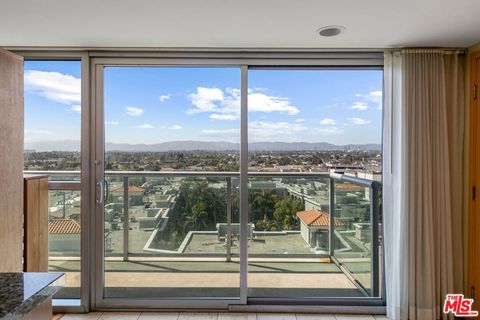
column 225, row 105
column 205, row 99
column 54, row 86
column 218, row 116
column 134, row 111
column 164, row 97
column 328, row 122
column 358, row 121
column 145, row 126
column 360, row 106
column 112, row 123
column 376, row 97
column 329, row 131
column 172, row 127
column 300, row 120
column 76, row 108
column 221, row 132
column 260, row 102
column 373, row 96
column 232, row 134
column 260, row 131
column 276, row 125
column 274, row 131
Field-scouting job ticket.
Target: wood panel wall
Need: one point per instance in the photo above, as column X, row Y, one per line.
column 472, row 288
column 35, row 223
column 11, row 161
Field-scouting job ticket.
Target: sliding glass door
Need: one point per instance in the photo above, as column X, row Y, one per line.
column 313, row 232
column 219, row 184
column 168, row 185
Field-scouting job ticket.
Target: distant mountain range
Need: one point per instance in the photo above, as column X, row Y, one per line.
column 189, row 145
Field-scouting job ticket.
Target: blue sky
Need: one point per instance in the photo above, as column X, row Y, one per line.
column 151, row 105
column 52, row 100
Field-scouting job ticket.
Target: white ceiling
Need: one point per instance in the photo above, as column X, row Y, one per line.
column 238, row 23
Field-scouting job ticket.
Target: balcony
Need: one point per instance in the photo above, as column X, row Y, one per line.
column 177, row 234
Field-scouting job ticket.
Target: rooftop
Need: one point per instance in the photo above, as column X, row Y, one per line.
column 63, row 226
column 316, row 218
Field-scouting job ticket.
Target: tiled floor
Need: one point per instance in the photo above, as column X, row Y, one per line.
column 213, row 316
column 142, row 278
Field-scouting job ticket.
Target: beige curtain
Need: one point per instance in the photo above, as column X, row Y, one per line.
column 426, row 108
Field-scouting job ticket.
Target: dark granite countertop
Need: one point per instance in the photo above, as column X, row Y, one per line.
column 21, row 292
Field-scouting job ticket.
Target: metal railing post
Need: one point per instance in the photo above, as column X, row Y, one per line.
column 331, row 222
column 374, row 214
column 64, row 206
column 126, row 221
column 228, row 199
column 243, row 184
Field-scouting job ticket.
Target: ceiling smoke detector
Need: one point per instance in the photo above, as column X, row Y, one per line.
column 330, row 31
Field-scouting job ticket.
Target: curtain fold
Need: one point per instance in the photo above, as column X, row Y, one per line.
column 423, row 188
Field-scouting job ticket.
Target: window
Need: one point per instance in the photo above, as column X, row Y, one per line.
column 52, row 145
column 177, row 219
column 167, row 227
column 304, row 125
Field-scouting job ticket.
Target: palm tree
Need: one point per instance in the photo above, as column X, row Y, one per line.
column 265, row 200
column 285, row 211
column 197, row 220
column 215, row 205
column 199, row 206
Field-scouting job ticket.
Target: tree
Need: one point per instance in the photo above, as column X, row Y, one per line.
column 265, row 202
column 198, row 219
column 317, row 159
column 201, row 203
column 285, row 212
column 267, row 225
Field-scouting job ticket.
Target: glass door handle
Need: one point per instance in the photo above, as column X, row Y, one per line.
column 107, row 191
column 100, row 185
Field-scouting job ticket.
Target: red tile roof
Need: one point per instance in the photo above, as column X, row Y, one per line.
column 63, row 226
column 130, row 189
column 316, row 218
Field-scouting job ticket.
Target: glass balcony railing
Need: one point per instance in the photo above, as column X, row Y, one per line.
column 300, row 225
column 64, row 230
column 357, row 230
